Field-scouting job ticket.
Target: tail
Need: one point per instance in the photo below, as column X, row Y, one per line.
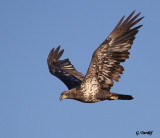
column 115, row 96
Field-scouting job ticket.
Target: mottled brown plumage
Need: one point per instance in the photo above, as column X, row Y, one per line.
column 104, row 67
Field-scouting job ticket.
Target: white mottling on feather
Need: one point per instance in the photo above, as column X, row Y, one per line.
column 90, row 87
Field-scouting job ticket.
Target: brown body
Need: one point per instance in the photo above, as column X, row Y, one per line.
column 77, row 94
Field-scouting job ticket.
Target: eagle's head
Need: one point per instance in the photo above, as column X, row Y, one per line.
column 70, row 94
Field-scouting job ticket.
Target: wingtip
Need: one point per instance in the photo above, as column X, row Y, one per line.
column 59, row 47
column 62, row 51
column 133, row 11
column 52, row 50
column 142, row 17
column 54, row 55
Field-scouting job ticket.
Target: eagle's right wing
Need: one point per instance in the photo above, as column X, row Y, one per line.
column 105, row 65
column 63, row 69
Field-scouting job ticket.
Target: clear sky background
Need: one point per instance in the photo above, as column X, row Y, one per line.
column 29, row 94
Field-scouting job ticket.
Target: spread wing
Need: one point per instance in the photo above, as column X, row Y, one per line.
column 105, row 63
column 63, row 69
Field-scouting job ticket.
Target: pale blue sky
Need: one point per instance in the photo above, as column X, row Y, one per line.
column 29, row 94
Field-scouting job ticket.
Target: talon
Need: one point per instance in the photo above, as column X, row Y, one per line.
column 114, row 97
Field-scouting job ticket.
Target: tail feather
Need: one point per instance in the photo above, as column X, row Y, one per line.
column 121, row 97
column 124, row 97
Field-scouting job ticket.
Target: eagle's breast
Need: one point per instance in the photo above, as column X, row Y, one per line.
column 89, row 89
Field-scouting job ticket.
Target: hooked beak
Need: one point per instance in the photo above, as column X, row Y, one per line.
column 62, row 97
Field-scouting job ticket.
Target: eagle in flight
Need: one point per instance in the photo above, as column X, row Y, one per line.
column 104, row 67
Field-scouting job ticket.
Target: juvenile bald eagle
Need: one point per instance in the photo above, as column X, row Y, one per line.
column 104, row 67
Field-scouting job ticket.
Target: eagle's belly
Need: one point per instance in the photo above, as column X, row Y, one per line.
column 89, row 89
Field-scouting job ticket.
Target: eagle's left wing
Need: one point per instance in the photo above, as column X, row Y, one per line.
column 63, row 69
column 105, row 64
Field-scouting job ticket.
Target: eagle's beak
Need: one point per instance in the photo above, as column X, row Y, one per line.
column 63, row 97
